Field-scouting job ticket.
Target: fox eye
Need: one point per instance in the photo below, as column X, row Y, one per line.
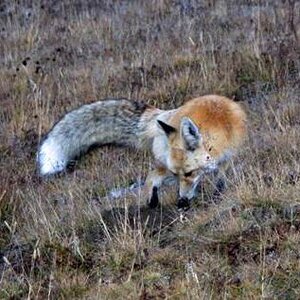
column 209, row 149
column 188, row 174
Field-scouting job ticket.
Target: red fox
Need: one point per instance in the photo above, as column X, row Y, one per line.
column 187, row 142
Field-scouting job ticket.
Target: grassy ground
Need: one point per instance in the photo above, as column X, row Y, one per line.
column 61, row 238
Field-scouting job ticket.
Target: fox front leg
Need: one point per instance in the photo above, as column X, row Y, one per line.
column 153, row 182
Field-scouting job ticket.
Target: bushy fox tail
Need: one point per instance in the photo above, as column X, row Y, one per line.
column 99, row 123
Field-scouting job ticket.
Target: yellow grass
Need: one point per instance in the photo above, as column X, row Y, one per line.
column 61, row 238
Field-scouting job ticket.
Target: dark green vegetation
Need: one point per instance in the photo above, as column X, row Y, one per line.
column 61, row 239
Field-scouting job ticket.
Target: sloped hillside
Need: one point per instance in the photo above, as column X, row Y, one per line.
column 63, row 238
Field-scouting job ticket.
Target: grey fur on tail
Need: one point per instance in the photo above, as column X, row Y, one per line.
column 98, row 123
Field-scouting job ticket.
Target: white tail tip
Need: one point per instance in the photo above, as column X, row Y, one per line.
column 50, row 158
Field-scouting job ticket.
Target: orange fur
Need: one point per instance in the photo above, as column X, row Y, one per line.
column 221, row 121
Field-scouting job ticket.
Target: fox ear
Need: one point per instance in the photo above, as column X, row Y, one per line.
column 190, row 133
column 166, row 128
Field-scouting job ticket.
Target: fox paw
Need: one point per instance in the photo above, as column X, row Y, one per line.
column 183, row 203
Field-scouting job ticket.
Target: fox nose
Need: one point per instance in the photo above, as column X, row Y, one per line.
column 207, row 157
column 184, row 203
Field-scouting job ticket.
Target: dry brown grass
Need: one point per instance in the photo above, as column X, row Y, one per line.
column 61, row 238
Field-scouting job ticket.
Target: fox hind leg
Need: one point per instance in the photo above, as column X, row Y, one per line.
column 220, row 185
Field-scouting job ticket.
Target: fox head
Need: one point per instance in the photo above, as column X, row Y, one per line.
column 188, row 156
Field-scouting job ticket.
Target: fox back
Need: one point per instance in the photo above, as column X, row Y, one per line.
column 220, row 121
